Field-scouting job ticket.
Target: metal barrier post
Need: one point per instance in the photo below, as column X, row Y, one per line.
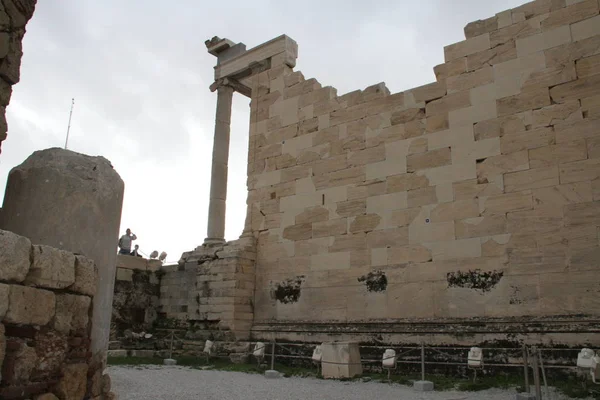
column 526, row 368
column 273, row 355
column 536, row 374
column 422, row 361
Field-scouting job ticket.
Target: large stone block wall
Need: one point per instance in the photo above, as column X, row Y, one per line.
column 212, row 289
column 45, row 323
column 14, row 15
column 475, row 197
column 136, row 296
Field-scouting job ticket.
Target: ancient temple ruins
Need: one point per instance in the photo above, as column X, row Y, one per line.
column 468, row 206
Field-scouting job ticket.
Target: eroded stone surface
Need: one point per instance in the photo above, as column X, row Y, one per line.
column 30, row 306
column 73, row 383
column 14, row 257
column 51, row 268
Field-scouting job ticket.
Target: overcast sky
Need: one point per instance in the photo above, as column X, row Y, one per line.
column 139, row 73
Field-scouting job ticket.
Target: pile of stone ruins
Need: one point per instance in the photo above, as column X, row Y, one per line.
column 461, row 212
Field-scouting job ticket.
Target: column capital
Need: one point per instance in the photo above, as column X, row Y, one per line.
column 233, row 84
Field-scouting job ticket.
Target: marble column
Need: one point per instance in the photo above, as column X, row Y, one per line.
column 220, row 158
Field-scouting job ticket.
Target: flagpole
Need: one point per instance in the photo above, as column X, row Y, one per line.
column 69, row 126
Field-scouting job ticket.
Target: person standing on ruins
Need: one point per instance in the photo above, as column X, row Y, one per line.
column 125, row 242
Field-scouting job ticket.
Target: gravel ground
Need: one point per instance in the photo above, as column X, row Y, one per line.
column 180, row 383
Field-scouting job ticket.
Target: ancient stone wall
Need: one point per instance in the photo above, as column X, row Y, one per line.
column 468, row 205
column 45, row 311
column 212, row 288
column 136, row 297
column 14, row 15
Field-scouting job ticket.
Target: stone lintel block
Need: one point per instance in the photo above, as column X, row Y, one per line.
column 86, row 276
column 544, row 40
column 51, row 268
column 581, row 88
column 429, row 159
column 429, row 92
column 480, row 27
column 585, row 29
column 466, row 47
column 526, row 100
column 71, row 313
column 571, row 14
column 14, row 257
column 30, row 306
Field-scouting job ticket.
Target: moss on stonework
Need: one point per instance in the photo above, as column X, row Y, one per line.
column 375, row 281
column 477, row 279
column 288, row 291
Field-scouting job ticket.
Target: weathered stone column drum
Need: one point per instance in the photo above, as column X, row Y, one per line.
column 73, row 202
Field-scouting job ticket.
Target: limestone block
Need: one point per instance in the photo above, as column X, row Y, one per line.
column 588, row 66
column 340, row 360
column 420, row 231
column 502, row 53
column 318, row 95
column 559, row 153
column 551, row 115
column 504, row 18
column 24, row 361
column 298, row 232
column 4, row 296
column 579, row 89
column 429, row 159
column 448, row 103
column 14, row 257
column 429, row 92
column 572, row 51
column 455, row 210
column 531, row 179
column 408, row 254
column 330, row 164
column 582, row 214
column 421, row 197
column 86, row 275
column 470, row 189
column 365, row 223
column 497, row 165
column 573, row 130
column 515, row 31
column 529, row 99
column 302, row 87
column 569, row 15
column 480, row 226
column 334, row 227
column 593, row 147
column 313, row 214
column 405, row 182
column 562, row 195
column 312, row 246
column 391, row 201
column 351, row 208
column 400, row 218
column 481, row 111
column 499, row 126
column 29, row 306
column 71, row 313
column 367, row 156
column 480, row 27
column 435, row 123
column 456, row 249
column 503, row 203
column 73, row 384
column 533, row 139
column 535, row 221
column 394, row 237
column 330, row 261
column 342, row 177
column 586, row 28
column 470, row 80
column 349, row 242
column 274, row 140
column 550, row 76
column 466, row 47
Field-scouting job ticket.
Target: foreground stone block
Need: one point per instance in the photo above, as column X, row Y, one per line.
column 4, row 292
column 340, row 360
column 71, row 312
column 86, row 275
column 423, row 386
column 14, row 256
column 73, row 383
column 30, row 306
column 51, row 268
